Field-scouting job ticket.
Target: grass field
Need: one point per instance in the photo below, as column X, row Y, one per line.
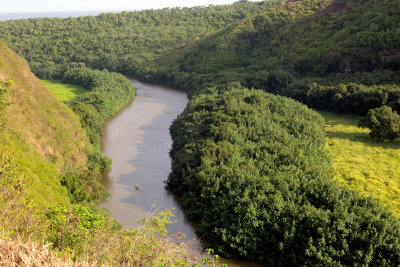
column 64, row 92
column 364, row 165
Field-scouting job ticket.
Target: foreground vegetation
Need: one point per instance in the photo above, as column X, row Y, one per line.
column 363, row 164
column 78, row 232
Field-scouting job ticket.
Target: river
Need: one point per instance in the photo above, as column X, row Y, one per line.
column 137, row 140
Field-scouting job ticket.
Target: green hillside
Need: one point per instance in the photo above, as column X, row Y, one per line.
column 335, row 55
column 322, row 40
column 42, row 134
column 121, row 42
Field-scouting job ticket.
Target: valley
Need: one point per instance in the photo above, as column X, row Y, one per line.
column 285, row 133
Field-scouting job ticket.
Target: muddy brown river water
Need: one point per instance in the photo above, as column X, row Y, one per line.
column 137, row 140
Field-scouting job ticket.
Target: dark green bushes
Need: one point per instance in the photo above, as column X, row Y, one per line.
column 83, row 185
column 76, row 191
column 108, row 93
column 99, row 163
column 251, row 171
column 51, row 71
column 383, row 122
column 345, row 98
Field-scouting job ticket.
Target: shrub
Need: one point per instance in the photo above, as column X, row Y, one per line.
column 383, row 122
column 76, row 191
column 98, row 162
column 70, row 227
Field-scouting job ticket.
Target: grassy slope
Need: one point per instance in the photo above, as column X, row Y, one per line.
column 64, row 92
column 42, row 133
column 362, row 164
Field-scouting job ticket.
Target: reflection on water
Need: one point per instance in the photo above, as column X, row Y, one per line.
column 138, row 142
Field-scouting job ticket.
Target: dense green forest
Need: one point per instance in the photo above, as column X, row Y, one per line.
column 250, row 168
column 327, row 54
column 252, row 172
column 309, row 50
column 122, row 42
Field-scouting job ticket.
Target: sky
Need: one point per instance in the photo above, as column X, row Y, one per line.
column 100, row 5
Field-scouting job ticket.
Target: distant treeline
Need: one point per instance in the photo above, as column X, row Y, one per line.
column 252, row 172
column 346, row 98
column 323, row 53
column 122, row 42
column 282, row 47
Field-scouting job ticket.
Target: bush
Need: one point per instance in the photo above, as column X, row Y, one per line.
column 76, row 191
column 383, row 122
column 98, row 162
column 345, row 98
column 69, row 228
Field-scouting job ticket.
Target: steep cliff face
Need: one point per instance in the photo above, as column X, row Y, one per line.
column 45, row 123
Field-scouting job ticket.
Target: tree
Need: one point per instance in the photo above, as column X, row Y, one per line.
column 383, row 122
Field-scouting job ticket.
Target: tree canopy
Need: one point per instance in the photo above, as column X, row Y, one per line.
column 252, row 173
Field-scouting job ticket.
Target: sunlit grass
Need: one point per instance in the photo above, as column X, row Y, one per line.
column 367, row 166
column 41, row 176
column 64, row 92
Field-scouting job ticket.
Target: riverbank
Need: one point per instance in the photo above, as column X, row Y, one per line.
column 137, row 139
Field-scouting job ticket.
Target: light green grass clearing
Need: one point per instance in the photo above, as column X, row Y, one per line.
column 364, row 165
column 64, row 92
